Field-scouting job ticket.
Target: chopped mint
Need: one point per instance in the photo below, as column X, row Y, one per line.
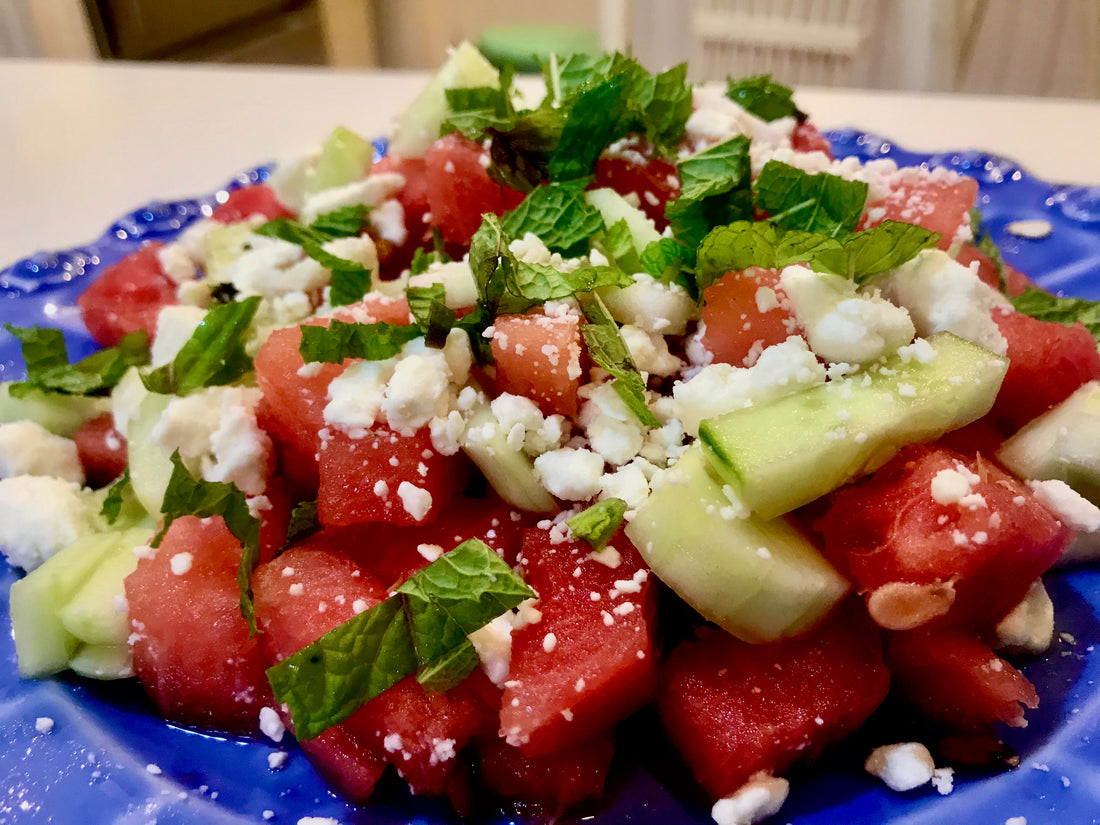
column 1041, row 304
column 882, row 247
column 428, row 305
column 48, row 368
column 821, row 202
column 303, row 521
column 545, row 283
column 422, row 259
column 214, row 355
column 666, row 258
column 598, row 523
column 345, row 222
column 341, row 340
column 715, row 170
column 424, row 625
column 559, row 215
column 716, row 191
column 188, row 496
column 608, row 349
column 116, row 497
column 493, row 266
column 763, row 97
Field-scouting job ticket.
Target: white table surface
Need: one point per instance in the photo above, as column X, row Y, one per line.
column 82, row 143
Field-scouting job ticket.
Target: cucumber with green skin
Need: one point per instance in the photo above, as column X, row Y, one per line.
column 59, row 413
column 345, row 158
column 510, row 472
column 150, row 466
column 786, row 453
column 760, row 580
column 1062, row 443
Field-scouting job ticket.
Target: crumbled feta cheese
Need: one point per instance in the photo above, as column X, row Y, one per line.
column 369, row 191
column 649, row 351
column 628, row 482
column 416, row 500
column 1073, row 509
column 613, row 431
column 29, row 449
column 418, row 390
column 842, row 324
column 356, row 396
column 39, row 515
column 271, row 724
column 459, row 287
column 1029, row 626
column 181, row 563
column 175, row 325
column 652, row 306
column 388, row 220
column 569, row 473
column 762, row 796
column 43, row 724
column 903, row 767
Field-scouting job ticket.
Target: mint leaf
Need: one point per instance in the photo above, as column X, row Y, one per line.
column 598, row 523
column 303, row 521
column 559, row 215
column 666, row 258
column 608, row 349
column 715, row 170
column 544, row 283
column 600, row 115
column 494, row 267
column 763, row 98
column 428, row 305
column 422, row 259
column 717, row 190
column 350, row 280
column 461, row 591
column 340, row 341
column 345, row 222
column 667, row 113
column 883, row 247
column 116, row 497
column 188, row 496
column 822, row 203
column 213, row 356
column 1047, row 307
column 424, row 625
column 48, row 368
column 328, row 680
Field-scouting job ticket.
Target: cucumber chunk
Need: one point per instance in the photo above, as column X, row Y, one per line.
column 150, row 466
column 42, row 643
column 510, row 472
column 1062, row 443
column 96, row 613
column 60, row 414
column 613, row 208
column 223, row 245
column 345, row 158
column 103, row 662
column 418, row 126
column 760, row 580
column 785, row 453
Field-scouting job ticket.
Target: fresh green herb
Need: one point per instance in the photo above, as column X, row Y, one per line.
column 341, row 340
column 116, row 498
column 214, row 355
column 494, row 266
column 1047, row 307
column 428, row 305
column 188, row 496
column 303, row 521
column 545, row 283
column 666, row 259
column 473, row 110
column 822, row 203
column 717, row 190
column 425, row 625
column 598, row 523
column 858, row 256
column 984, row 241
column 608, row 349
column 601, row 114
column 49, row 370
column 763, row 98
column 423, row 259
column 350, row 280
column 559, row 215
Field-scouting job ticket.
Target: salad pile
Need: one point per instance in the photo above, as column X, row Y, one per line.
column 447, row 463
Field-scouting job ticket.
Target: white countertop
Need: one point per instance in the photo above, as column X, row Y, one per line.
column 83, row 143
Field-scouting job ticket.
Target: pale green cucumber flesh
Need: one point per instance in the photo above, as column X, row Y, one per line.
column 418, row 126
column 96, row 613
column 60, row 414
column 223, row 245
column 1062, row 443
column 345, row 158
column 613, row 208
column 509, row 472
column 42, row 643
column 786, row 453
column 760, row 580
column 103, row 662
column 150, row 466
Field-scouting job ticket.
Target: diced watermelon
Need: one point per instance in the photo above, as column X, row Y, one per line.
column 744, row 313
column 539, row 356
column 293, row 405
column 934, row 535
column 1015, row 281
column 938, row 200
column 956, row 680
column 191, row 646
column 102, row 450
column 808, row 138
column 385, row 476
column 460, row 190
column 275, row 518
column 127, row 296
column 250, row 200
column 376, row 308
column 654, row 181
column 555, row 782
column 1047, row 362
column 413, row 197
column 590, row 661
column 733, row 709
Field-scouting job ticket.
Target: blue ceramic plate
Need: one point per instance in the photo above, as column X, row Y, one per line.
column 109, row 759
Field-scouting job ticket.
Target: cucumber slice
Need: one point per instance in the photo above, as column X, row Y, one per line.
column 96, row 613
column 58, row 413
column 345, row 158
column 785, row 453
column 613, row 208
column 418, row 126
column 103, row 662
column 759, row 580
column 42, row 643
column 1062, row 443
column 223, row 245
column 150, row 466
column 510, row 472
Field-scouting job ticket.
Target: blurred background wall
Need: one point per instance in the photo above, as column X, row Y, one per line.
column 1030, row 47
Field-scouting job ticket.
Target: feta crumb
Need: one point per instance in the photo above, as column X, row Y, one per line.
column 29, row 449
column 181, row 563
column 43, row 724
column 903, row 767
column 1075, row 511
column 416, row 500
column 39, row 515
column 943, row 780
column 762, row 796
column 271, row 724
column 276, row 760
column 570, row 473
